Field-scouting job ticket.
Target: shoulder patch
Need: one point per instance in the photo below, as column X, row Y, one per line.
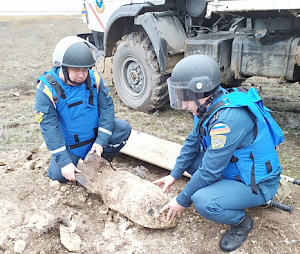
column 219, row 128
column 218, row 141
column 39, row 116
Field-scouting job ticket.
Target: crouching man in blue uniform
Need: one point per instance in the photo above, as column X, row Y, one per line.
column 230, row 153
column 75, row 110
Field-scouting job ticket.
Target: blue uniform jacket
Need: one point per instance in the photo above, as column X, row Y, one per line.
column 48, row 116
column 214, row 161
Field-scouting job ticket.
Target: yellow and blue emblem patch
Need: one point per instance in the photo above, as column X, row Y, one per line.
column 218, row 141
column 39, row 116
column 219, row 128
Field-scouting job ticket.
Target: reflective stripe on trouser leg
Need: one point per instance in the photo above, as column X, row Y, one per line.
column 119, row 137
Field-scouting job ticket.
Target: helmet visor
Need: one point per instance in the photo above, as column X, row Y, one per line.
column 179, row 92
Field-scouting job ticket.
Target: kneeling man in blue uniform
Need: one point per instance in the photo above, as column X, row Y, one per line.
column 230, row 153
column 75, row 110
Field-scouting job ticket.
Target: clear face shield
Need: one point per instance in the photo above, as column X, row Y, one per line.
column 183, row 95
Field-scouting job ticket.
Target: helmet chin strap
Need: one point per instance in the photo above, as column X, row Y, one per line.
column 202, row 108
column 67, row 78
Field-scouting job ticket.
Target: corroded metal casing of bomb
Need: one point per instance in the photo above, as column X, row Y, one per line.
column 137, row 199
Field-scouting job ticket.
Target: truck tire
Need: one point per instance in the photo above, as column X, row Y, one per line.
column 136, row 75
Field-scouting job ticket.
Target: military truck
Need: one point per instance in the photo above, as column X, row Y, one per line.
column 145, row 39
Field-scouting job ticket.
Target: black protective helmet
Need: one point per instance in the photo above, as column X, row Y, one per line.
column 73, row 51
column 193, row 78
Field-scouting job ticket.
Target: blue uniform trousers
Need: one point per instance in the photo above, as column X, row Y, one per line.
column 120, row 135
column 225, row 200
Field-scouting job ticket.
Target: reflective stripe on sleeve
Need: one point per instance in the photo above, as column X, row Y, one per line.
column 63, row 148
column 105, row 131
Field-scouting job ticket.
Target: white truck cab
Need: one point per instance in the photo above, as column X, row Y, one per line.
column 99, row 11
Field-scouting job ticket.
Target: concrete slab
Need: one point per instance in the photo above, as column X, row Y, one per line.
column 153, row 150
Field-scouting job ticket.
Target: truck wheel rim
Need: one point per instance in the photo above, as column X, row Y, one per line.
column 133, row 77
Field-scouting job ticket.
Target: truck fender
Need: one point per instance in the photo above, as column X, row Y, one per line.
column 166, row 34
column 113, row 31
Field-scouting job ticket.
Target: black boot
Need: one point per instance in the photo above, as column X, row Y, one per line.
column 237, row 234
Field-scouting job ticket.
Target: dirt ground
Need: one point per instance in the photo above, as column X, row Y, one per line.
column 39, row 216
